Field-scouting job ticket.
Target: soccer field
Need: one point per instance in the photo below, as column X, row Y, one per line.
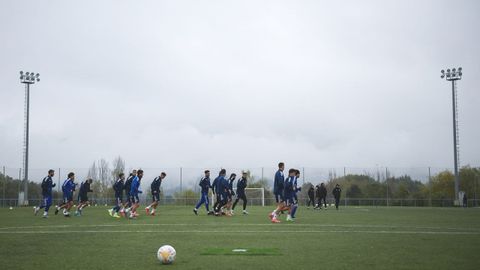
column 352, row 238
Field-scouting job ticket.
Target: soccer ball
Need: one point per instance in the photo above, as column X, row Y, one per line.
column 166, row 254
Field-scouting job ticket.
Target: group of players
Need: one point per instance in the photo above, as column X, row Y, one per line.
column 131, row 188
column 127, row 208
column 285, row 191
column 224, row 192
column 68, row 188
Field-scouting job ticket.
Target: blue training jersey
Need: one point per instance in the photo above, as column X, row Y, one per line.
column 68, row 187
column 279, row 182
column 134, row 189
column 47, row 185
column 205, row 184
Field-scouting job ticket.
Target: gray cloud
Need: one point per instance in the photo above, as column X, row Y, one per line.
column 246, row 83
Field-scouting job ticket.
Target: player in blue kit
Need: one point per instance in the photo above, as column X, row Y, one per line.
column 221, row 191
column 47, row 185
column 127, row 187
column 118, row 189
column 134, row 191
column 68, row 188
column 278, row 191
column 295, row 197
column 205, row 186
column 290, row 193
column 155, row 189
column 83, row 196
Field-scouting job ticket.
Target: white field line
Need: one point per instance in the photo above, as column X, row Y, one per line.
column 241, row 225
column 244, row 232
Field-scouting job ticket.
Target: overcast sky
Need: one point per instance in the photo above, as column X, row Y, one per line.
column 239, row 83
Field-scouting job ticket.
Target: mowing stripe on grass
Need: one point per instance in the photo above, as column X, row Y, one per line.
column 244, row 225
column 244, row 232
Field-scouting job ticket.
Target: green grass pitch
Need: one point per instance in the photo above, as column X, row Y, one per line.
column 352, row 238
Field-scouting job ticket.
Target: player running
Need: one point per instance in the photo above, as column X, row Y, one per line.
column 205, row 186
column 83, row 196
column 241, row 185
column 155, row 189
column 118, row 188
column 68, row 188
column 47, row 185
column 296, row 189
column 278, row 190
column 289, row 194
column 127, row 187
column 221, row 190
column 230, row 194
column 134, row 191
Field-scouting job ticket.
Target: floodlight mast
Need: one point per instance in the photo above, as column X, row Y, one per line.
column 454, row 75
column 27, row 78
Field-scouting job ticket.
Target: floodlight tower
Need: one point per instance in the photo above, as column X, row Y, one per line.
column 27, row 79
column 453, row 76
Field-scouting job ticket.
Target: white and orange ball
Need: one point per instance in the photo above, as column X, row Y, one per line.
column 166, row 254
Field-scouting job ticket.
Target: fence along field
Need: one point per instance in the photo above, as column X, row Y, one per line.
column 379, row 186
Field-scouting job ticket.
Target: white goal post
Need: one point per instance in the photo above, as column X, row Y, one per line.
column 260, row 191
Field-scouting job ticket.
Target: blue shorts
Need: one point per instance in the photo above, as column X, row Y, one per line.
column 134, row 199
column 289, row 198
column 279, row 197
column 156, row 197
column 67, row 198
column 47, row 200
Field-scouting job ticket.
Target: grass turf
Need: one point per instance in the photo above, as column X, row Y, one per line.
column 352, row 238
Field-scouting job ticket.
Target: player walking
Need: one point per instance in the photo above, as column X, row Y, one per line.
column 336, row 194
column 47, row 185
column 155, row 189
column 118, row 188
column 68, row 188
column 134, row 191
column 311, row 197
column 241, row 185
column 83, row 196
column 205, row 186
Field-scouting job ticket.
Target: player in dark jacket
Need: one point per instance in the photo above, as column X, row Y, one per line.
column 205, row 186
column 311, row 196
column 47, row 185
column 336, row 194
column 118, row 189
column 323, row 196
column 127, row 187
column 83, row 196
column 155, row 189
column 241, row 185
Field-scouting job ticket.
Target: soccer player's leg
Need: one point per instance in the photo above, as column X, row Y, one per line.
column 244, row 199
column 200, row 202
column 156, row 199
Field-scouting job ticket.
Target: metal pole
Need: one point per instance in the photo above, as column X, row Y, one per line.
column 386, row 179
column 181, row 179
column 303, row 175
column 455, row 153
column 25, row 171
column 4, row 186
column 262, row 173
column 19, row 182
column 430, row 185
